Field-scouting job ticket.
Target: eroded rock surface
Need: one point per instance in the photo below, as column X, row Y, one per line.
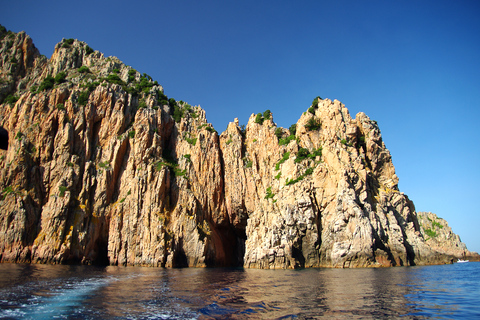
column 103, row 168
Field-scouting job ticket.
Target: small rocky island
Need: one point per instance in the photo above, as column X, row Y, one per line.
column 104, row 168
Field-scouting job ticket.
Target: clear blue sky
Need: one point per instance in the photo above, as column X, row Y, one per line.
column 414, row 66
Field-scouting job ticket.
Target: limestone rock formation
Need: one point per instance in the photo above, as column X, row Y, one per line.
column 103, row 168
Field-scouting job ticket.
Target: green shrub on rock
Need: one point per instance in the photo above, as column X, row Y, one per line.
column 83, row 97
column 279, row 132
column 313, row 124
column 302, row 154
column 60, row 77
column 259, row 118
column 267, row 114
column 83, row 69
column 47, row 83
column 88, row 50
column 11, row 99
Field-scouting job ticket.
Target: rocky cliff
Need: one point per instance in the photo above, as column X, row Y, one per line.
column 102, row 167
column 440, row 237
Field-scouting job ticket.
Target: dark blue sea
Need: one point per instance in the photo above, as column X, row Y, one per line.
column 86, row 292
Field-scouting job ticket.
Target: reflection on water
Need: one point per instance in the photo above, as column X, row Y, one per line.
column 83, row 292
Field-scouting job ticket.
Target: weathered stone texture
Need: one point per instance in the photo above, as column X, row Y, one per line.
column 103, row 168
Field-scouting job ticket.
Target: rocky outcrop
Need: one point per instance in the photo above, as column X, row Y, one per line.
column 103, row 168
column 439, row 236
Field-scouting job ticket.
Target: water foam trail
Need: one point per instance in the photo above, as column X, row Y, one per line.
column 55, row 300
column 76, row 298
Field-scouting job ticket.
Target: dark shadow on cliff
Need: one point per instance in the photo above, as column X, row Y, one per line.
column 179, row 257
column 227, row 248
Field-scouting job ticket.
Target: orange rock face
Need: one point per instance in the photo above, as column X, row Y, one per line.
column 103, row 168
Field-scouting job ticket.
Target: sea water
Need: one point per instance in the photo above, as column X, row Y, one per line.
column 86, row 292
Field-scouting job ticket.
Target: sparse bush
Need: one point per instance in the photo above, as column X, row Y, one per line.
column 91, row 85
column 88, row 50
column 47, row 83
column 259, row 118
column 83, row 69
column 173, row 167
column 316, row 101
column 144, row 85
column 311, row 110
column 346, row 143
column 286, row 141
column 104, row 165
column 114, row 78
column 6, row 191
column 60, row 77
column 177, row 113
column 267, row 114
column 11, row 99
column 292, row 181
column 162, row 97
column 437, row 224
column 192, row 141
column 210, row 129
column 313, row 124
column 301, row 155
column 67, row 43
column 142, row 104
column 62, row 190
column 431, row 233
column 269, row 194
column 131, row 75
column 316, row 153
column 285, row 157
column 279, row 132
column 308, row 172
column 83, row 97
column 293, row 129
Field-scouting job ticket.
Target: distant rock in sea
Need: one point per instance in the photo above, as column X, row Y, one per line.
column 103, row 168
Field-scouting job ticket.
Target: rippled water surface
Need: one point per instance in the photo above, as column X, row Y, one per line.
column 84, row 292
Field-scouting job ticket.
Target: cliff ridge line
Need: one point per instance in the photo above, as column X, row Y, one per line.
column 104, row 168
